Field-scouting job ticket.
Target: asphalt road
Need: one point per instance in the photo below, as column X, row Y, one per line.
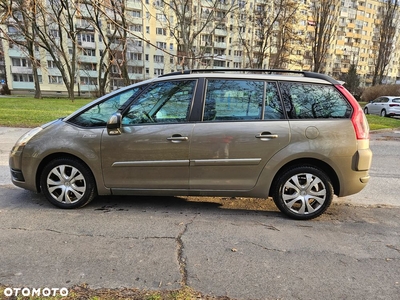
column 216, row 247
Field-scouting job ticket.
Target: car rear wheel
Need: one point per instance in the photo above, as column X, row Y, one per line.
column 67, row 183
column 383, row 113
column 303, row 192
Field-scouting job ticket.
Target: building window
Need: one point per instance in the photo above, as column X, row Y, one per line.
column 24, row 78
column 161, row 31
column 88, row 80
column 135, row 56
column 55, row 79
column 158, row 58
column 136, row 27
column 161, row 18
column 85, row 37
column 88, row 67
column 161, row 45
column 136, row 14
column 89, row 52
column 158, row 72
column 135, row 70
column 20, row 62
column 51, row 64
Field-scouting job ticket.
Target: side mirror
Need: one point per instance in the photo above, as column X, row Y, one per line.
column 114, row 124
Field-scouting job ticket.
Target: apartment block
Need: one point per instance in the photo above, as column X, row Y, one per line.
column 146, row 41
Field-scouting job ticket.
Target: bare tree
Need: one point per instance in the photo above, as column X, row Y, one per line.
column 21, row 16
column 187, row 20
column 273, row 28
column 108, row 18
column 387, row 26
column 57, row 35
column 285, row 34
column 325, row 16
column 263, row 18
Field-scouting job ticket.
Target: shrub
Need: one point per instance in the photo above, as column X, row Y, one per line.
column 4, row 90
column 376, row 91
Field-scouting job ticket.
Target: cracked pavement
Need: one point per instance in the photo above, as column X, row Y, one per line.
column 169, row 243
column 240, row 248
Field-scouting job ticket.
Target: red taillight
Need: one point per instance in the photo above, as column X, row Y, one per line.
column 393, row 104
column 358, row 118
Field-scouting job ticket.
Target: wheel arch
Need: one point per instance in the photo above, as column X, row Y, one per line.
column 319, row 164
column 59, row 155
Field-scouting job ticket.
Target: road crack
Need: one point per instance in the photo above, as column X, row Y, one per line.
column 90, row 235
column 180, row 256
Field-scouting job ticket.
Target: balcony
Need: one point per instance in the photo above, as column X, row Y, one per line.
column 21, row 70
column 89, row 45
column 87, row 73
column 221, row 32
column 135, row 63
column 135, row 49
column 87, row 27
column 134, row 5
column 87, row 59
column 219, row 45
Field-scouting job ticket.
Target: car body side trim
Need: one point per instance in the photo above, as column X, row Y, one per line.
column 224, row 162
column 152, row 163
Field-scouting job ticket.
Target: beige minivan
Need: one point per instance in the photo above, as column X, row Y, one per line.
column 298, row 137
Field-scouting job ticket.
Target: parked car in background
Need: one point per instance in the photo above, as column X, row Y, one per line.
column 298, row 137
column 385, row 106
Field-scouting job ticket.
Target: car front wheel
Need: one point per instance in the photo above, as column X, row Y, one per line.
column 67, row 183
column 303, row 192
column 366, row 110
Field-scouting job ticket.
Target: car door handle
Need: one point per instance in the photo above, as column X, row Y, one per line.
column 177, row 138
column 266, row 135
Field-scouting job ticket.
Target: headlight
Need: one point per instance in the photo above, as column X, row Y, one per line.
column 26, row 137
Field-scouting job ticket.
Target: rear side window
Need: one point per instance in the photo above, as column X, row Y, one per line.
column 241, row 100
column 233, row 100
column 314, row 101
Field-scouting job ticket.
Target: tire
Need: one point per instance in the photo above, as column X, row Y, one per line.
column 303, row 192
column 67, row 183
column 366, row 110
column 383, row 113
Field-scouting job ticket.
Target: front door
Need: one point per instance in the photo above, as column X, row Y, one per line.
column 152, row 151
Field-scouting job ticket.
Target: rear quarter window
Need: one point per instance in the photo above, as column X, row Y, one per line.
column 314, row 101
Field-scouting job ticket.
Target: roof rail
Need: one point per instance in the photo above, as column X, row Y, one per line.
column 268, row 71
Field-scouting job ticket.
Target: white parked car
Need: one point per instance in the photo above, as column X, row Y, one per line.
column 385, row 106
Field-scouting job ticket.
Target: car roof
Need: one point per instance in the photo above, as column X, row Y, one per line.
column 270, row 74
column 390, row 97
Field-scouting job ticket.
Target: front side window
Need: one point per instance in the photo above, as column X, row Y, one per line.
column 162, row 102
column 98, row 114
column 314, row 101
